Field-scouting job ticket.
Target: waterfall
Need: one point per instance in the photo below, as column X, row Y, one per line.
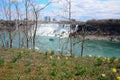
column 52, row 30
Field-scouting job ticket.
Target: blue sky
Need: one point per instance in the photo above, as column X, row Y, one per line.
column 81, row 9
column 42, row 1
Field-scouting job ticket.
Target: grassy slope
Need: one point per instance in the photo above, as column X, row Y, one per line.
column 21, row 64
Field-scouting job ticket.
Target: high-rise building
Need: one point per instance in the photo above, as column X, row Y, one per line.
column 47, row 18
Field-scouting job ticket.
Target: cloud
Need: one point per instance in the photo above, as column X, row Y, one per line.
column 80, row 9
column 98, row 9
column 39, row 6
column 16, row 0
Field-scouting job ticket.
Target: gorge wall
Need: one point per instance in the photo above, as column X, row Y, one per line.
column 101, row 29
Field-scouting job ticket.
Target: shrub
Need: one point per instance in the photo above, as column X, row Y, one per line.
column 14, row 59
column 38, row 68
column 52, row 52
column 54, row 63
column 1, row 61
column 98, row 62
column 112, row 59
column 54, row 72
column 80, row 70
column 27, row 63
column 101, row 78
column 28, row 70
column 94, row 72
column 46, row 53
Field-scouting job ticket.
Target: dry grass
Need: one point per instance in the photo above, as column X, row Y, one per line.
column 21, row 64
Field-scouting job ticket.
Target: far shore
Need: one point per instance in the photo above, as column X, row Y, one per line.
column 107, row 38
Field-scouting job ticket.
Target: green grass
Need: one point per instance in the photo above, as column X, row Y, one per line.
column 1, row 61
column 21, row 64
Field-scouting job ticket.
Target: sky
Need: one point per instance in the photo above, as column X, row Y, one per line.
column 81, row 9
column 93, row 9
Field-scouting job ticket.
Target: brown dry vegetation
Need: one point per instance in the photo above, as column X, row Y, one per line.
column 21, row 64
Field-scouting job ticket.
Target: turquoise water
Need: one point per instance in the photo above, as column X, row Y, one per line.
column 102, row 48
column 91, row 47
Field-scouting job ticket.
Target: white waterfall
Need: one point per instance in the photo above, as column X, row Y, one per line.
column 52, row 30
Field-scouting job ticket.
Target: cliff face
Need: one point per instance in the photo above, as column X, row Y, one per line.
column 101, row 27
column 7, row 25
column 11, row 25
column 106, row 27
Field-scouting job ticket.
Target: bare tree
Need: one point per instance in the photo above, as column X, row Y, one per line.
column 16, row 4
column 6, row 9
column 67, row 14
column 10, row 30
column 83, row 39
column 26, row 27
column 67, row 9
column 36, row 13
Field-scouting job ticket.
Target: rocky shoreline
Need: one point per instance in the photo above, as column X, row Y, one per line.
column 107, row 38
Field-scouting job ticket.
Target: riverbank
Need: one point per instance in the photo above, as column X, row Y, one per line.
column 21, row 64
column 105, row 38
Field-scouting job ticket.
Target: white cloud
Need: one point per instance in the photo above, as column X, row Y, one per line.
column 98, row 9
column 16, row 0
column 39, row 6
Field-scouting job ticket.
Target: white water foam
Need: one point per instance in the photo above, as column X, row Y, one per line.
column 53, row 30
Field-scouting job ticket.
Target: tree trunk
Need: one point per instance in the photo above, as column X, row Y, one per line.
column 10, row 37
column 83, row 39
column 2, row 40
column 69, row 14
column 19, row 40
column 10, row 32
column 26, row 27
column 34, row 35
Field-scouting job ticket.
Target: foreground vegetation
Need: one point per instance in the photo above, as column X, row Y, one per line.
column 21, row 64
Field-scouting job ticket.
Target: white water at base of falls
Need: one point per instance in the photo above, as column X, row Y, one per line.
column 54, row 30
